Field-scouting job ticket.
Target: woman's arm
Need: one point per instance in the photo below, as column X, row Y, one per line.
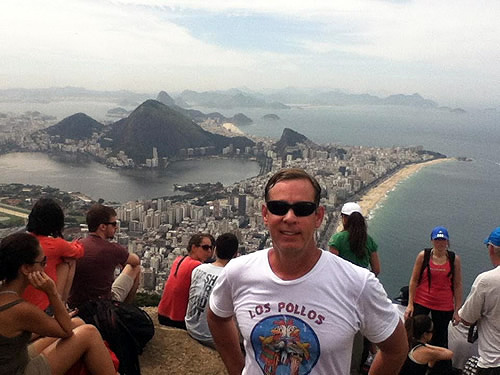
column 375, row 263
column 413, row 283
column 432, row 354
column 35, row 320
column 333, row 250
column 457, row 289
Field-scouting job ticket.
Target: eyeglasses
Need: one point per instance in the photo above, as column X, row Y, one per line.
column 281, row 208
column 42, row 262
column 206, row 247
column 113, row 223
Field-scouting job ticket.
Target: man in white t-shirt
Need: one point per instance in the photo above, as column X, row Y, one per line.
column 298, row 307
column 203, row 280
column 483, row 306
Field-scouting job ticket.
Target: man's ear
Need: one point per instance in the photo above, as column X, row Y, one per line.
column 320, row 214
column 264, row 213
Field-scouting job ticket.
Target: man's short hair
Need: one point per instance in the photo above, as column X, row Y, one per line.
column 99, row 214
column 292, row 174
column 226, row 246
column 196, row 239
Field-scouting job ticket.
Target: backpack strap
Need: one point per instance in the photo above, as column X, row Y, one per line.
column 179, row 264
column 451, row 257
column 425, row 264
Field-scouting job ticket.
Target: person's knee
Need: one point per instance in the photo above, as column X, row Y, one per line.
column 87, row 332
column 132, row 271
column 77, row 322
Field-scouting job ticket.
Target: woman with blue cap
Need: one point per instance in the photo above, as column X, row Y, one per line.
column 436, row 285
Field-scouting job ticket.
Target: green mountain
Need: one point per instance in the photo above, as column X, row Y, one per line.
column 78, row 126
column 154, row 124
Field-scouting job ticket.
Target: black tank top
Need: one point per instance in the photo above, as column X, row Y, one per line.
column 411, row 367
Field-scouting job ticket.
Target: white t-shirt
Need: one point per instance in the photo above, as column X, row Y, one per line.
column 483, row 305
column 307, row 325
column 203, row 279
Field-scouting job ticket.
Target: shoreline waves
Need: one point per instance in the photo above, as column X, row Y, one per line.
column 372, row 199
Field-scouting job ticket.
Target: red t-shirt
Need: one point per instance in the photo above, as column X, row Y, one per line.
column 55, row 249
column 440, row 295
column 174, row 300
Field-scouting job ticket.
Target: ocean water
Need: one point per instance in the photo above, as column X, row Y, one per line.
column 463, row 196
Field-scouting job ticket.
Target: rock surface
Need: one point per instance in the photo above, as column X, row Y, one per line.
column 173, row 352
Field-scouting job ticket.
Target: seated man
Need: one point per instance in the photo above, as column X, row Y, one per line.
column 203, row 280
column 94, row 275
column 174, row 300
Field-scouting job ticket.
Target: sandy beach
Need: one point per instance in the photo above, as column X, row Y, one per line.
column 377, row 194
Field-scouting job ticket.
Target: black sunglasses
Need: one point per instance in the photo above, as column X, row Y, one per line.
column 42, row 262
column 281, row 208
column 206, row 247
column 113, row 223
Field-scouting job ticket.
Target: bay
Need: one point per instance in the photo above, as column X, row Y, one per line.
column 98, row 181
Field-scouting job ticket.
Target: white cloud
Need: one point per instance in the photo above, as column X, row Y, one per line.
column 137, row 44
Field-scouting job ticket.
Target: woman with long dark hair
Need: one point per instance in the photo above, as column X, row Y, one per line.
column 46, row 223
column 354, row 243
column 421, row 355
column 22, row 263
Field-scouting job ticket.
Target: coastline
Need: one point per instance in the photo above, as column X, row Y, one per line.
column 371, row 200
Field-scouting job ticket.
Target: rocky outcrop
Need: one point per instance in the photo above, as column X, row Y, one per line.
column 173, row 352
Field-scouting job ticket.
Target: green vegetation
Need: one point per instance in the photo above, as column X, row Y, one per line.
column 147, row 299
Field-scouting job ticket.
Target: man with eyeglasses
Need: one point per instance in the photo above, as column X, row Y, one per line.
column 483, row 306
column 95, row 271
column 174, row 300
column 298, row 307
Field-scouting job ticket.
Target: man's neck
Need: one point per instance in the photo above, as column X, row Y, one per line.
column 220, row 262
column 292, row 266
column 98, row 234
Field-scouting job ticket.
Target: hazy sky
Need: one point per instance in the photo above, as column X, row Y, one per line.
column 448, row 51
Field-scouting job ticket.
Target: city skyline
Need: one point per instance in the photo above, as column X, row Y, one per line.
column 444, row 51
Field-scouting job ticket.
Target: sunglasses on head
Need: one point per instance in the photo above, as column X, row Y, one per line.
column 281, row 208
column 206, row 247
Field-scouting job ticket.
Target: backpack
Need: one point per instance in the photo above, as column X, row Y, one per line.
column 125, row 327
column 425, row 264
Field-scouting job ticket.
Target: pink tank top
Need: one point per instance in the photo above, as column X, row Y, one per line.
column 440, row 295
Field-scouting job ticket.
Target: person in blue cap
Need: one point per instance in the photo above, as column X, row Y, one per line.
column 436, row 287
column 483, row 306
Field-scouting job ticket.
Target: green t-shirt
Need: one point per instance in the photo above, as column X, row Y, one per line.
column 340, row 241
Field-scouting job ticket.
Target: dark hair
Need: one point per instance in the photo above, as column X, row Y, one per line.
column 46, row 218
column 356, row 226
column 226, row 246
column 15, row 250
column 99, row 214
column 416, row 326
column 293, row 174
column 196, row 239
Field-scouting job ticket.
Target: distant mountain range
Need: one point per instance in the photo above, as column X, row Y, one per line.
column 223, row 99
column 198, row 116
column 152, row 124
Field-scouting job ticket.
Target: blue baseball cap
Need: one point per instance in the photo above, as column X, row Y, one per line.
column 494, row 237
column 440, row 233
